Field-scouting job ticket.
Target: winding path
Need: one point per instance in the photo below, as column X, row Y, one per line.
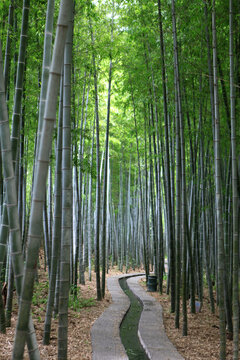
column 105, row 334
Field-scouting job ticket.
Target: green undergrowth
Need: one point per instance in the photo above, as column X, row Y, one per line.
column 76, row 302
column 40, row 293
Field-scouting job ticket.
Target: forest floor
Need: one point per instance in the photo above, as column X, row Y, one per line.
column 201, row 343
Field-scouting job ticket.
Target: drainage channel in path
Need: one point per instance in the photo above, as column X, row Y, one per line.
column 129, row 326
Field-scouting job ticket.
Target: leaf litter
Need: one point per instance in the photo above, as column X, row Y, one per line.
column 201, row 343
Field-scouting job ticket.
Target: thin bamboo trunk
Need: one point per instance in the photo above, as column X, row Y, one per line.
column 145, row 252
column 39, row 186
column 152, row 203
column 98, row 187
column 66, row 230
column 203, row 203
column 56, row 228
column 218, row 195
column 90, row 212
column 12, row 210
column 46, row 64
column 183, row 179
column 178, row 213
column 7, row 61
column 167, row 168
column 235, row 195
column 105, row 183
column 10, row 288
column 79, row 236
column 16, row 116
column 210, row 69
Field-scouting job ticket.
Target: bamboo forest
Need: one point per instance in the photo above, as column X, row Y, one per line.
column 119, row 130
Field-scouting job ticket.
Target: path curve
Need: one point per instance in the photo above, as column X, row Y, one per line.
column 105, row 333
column 151, row 330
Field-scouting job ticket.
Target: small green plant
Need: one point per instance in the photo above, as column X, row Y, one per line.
column 165, row 276
column 76, row 302
column 39, row 294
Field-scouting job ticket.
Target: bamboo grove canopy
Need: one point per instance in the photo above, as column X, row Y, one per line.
column 119, row 146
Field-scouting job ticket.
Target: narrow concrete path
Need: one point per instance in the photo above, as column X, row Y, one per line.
column 105, row 333
column 151, row 330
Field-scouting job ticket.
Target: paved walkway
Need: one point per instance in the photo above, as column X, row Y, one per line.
column 105, row 334
column 151, row 329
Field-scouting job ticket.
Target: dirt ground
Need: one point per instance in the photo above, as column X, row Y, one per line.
column 80, row 322
column 201, row 343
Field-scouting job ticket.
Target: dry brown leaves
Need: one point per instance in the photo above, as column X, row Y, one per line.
column 79, row 339
column 202, row 341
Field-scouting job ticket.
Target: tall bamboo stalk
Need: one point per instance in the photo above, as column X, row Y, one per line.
column 167, row 167
column 16, row 115
column 12, row 210
column 98, row 187
column 183, row 176
column 56, row 245
column 235, row 195
column 39, row 186
column 66, row 230
column 145, row 251
column 105, row 182
column 7, row 61
column 218, row 194
column 46, row 64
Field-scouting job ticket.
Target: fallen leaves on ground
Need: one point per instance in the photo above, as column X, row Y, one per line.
column 202, row 341
column 80, row 322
